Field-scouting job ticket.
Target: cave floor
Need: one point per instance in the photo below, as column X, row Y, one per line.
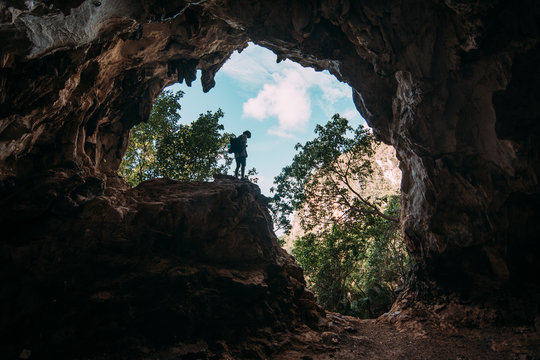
column 350, row 338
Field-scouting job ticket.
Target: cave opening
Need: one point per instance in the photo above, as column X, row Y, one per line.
column 280, row 103
column 446, row 83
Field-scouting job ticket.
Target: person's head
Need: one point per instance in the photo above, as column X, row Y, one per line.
column 247, row 133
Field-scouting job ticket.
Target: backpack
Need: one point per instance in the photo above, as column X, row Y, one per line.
column 235, row 145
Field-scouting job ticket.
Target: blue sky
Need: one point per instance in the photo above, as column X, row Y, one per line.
column 279, row 103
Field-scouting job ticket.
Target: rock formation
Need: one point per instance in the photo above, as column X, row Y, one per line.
column 94, row 267
column 452, row 85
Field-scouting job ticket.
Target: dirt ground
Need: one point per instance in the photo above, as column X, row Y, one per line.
column 350, row 338
column 347, row 338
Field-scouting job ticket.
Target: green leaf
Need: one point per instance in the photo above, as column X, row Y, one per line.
column 162, row 147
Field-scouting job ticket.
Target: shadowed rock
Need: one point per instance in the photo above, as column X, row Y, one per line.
column 99, row 270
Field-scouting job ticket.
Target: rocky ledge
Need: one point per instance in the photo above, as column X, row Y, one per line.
column 105, row 269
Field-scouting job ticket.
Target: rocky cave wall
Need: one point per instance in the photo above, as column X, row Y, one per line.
column 452, row 85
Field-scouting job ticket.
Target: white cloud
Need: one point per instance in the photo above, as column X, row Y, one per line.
column 254, row 66
column 287, row 99
column 285, row 89
column 332, row 89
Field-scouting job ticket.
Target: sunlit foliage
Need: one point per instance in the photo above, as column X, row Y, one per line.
column 162, row 147
column 351, row 250
column 355, row 268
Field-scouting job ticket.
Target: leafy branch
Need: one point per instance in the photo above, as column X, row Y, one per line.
column 320, row 179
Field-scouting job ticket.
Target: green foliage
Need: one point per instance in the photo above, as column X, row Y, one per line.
column 356, row 268
column 252, row 175
column 192, row 153
column 352, row 253
column 329, row 263
column 163, row 148
column 139, row 162
column 329, row 170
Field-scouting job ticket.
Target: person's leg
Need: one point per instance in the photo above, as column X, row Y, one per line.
column 237, row 167
column 243, row 163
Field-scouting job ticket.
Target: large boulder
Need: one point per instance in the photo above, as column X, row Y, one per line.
column 90, row 270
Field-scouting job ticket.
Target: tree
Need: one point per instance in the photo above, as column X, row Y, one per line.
column 326, row 177
column 355, row 268
column 351, row 250
column 196, row 151
column 139, row 162
column 330, row 262
column 163, row 148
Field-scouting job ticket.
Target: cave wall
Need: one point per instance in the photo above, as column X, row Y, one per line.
column 75, row 80
column 452, row 85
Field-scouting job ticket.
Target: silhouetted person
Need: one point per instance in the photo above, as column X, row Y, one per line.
column 241, row 156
